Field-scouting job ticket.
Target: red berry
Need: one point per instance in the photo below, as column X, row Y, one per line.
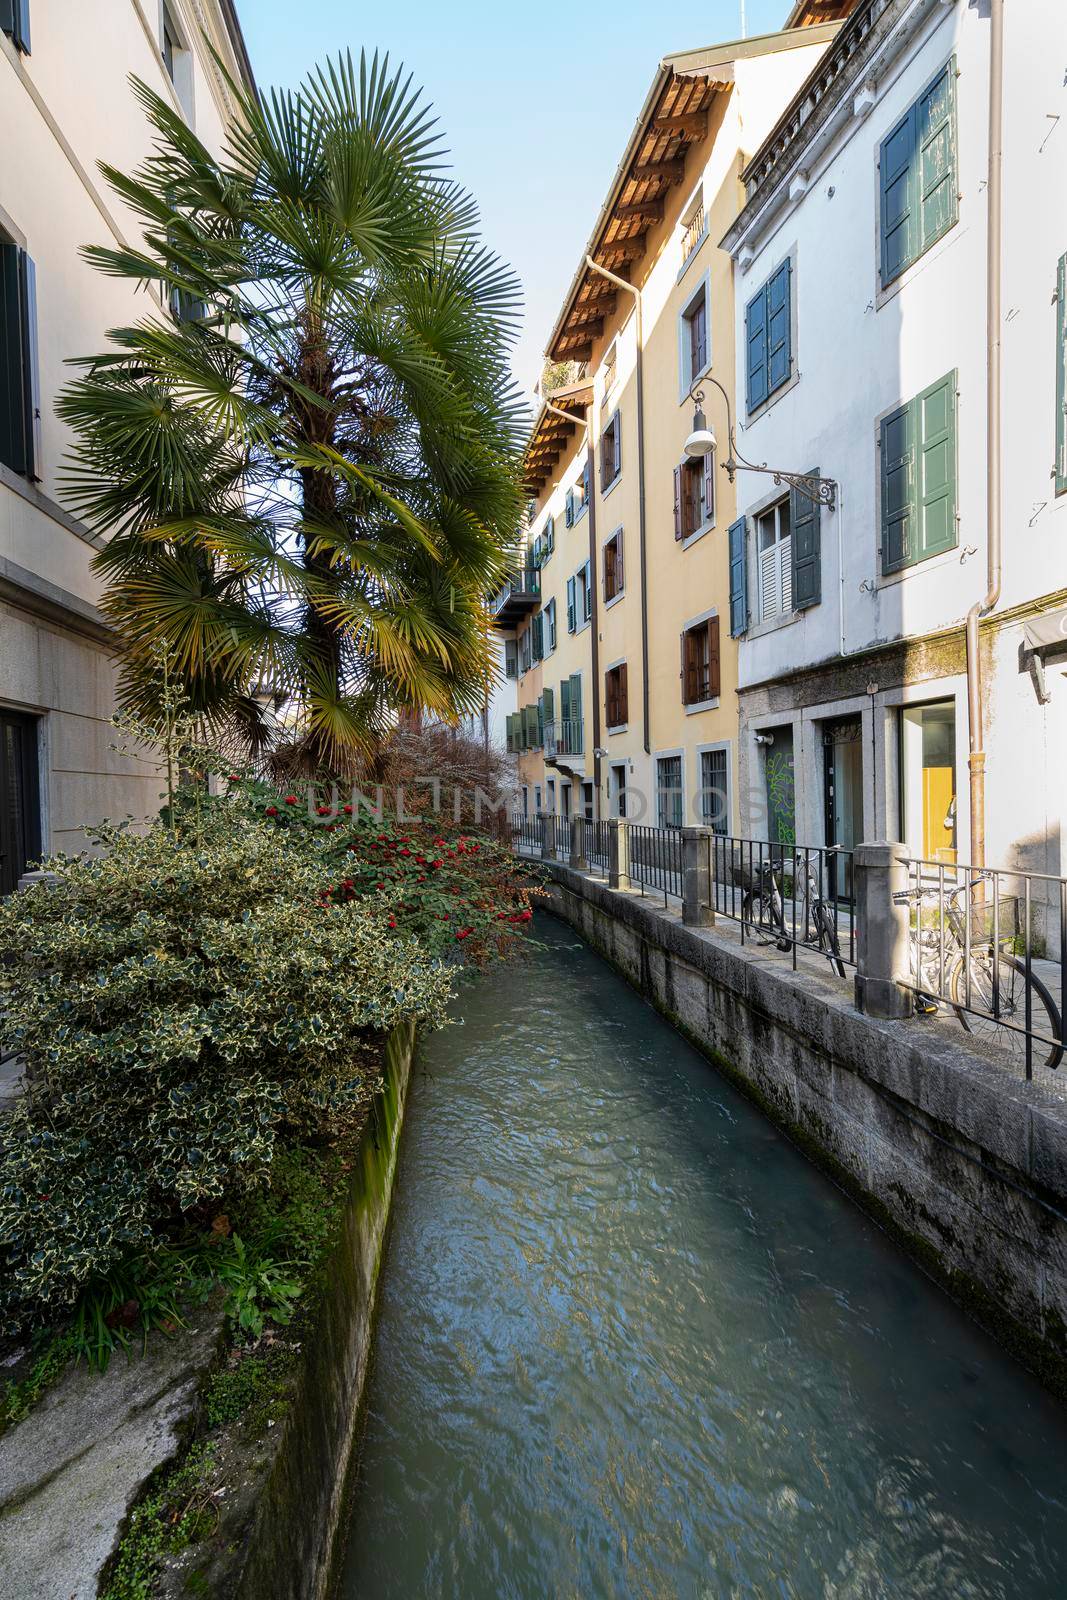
column 291, row 800
column 272, row 811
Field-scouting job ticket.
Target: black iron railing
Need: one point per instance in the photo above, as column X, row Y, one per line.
column 655, row 857
column 992, row 945
column 797, row 897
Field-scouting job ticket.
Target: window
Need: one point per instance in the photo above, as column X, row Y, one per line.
column 917, row 445
column 693, row 347
column 570, row 732
column 613, row 580
column 700, row 662
column 587, row 801
column 669, row 808
column 511, row 658
column 768, row 337
column 15, row 22
column 615, row 697
column 1061, row 376
column 610, row 368
column 928, row 779
column 525, row 650
column 579, row 599
column 917, row 180
column 537, row 642
column 577, row 498
column 537, row 797
column 550, row 796
column 20, row 398
column 548, row 615
column 610, row 452
column 715, row 789
column 178, row 62
column 694, row 496
column 618, row 789
column 694, row 227
column 20, row 817
column 774, row 561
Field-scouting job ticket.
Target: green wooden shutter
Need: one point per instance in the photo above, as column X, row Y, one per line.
column 1061, row 376
column 568, row 509
column 899, row 200
column 804, row 519
column 550, row 535
column 738, row 578
column 899, row 505
column 779, row 336
column 15, row 21
column 572, row 602
column 538, row 628
column 565, row 700
column 548, row 701
column 576, row 740
column 936, row 139
column 12, row 387
column 756, row 349
column 540, row 721
column 937, row 478
column 714, row 660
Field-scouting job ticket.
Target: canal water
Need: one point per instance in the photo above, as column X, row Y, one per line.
column 632, row 1344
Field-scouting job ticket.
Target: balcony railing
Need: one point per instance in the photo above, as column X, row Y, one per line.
column 517, row 596
column 564, row 737
column 694, row 233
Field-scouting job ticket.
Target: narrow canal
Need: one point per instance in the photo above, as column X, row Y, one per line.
column 633, row 1344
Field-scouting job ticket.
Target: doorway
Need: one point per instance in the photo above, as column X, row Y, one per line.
column 928, row 768
column 20, row 810
column 843, row 793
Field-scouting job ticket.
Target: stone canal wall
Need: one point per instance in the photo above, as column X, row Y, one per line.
column 965, row 1164
column 72, row 1471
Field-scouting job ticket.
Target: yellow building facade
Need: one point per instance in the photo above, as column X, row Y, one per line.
column 625, row 662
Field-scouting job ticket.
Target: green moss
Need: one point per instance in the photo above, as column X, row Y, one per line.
column 253, row 1383
column 174, row 1515
column 18, row 1396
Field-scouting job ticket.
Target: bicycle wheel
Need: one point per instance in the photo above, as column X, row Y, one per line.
column 827, row 936
column 764, row 920
column 1011, row 999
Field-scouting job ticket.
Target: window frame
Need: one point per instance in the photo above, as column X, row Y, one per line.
column 612, row 431
column 704, row 679
column 716, row 747
column 618, row 691
column 774, row 508
column 687, row 374
column 614, row 543
column 661, row 757
column 890, row 570
column 755, row 407
column 920, row 246
column 705, row 466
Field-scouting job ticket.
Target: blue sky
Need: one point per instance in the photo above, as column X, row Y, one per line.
column 536, row 102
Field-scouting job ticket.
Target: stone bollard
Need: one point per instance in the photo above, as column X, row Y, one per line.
column 548, row 836
column 697, row 909
column 618, row 854
column 577, row 856
column 882, row 930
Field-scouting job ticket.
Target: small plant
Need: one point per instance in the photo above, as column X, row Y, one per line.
column 259, row 1288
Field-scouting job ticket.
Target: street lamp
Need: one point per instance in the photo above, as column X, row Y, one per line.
column 701, row 442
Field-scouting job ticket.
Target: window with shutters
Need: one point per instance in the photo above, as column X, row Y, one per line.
column 1061, row 377
column 20, row 398
column 774, row 561
column 570, row 728
column 616, row 703
column 670, row 806
column 537, row 628
column 611, row 453
column 549, row 627
column 769, row 337
column 525, row 650
column 610, row 368
column 613, row 574
column 511, row 658
column 917, row 469
column 694, row 496
column 700, row 662
column 694, row 343
column 15, row 22
column 736, row 541
column 917, row 177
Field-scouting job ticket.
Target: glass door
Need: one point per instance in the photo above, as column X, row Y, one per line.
column 20, row 824
column 843, row 769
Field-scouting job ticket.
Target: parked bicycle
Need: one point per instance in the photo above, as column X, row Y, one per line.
column 988, row 986
column 763, row 908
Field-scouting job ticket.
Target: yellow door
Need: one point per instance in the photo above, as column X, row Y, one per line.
column 939, row 814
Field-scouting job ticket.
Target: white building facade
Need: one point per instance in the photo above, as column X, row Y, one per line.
column 65, row 105
column 860, row 259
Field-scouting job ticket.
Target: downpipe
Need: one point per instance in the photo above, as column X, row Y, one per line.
column 981, row 608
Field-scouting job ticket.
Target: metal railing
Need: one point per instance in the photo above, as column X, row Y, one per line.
column 525, row 832
column 527, row 581
column 694, row 233
column 978, row 941
column 655, row 859
column 565, row 737
column 598, row 844
column 795, row 897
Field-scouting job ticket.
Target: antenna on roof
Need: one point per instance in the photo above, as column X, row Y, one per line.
column 743, row 33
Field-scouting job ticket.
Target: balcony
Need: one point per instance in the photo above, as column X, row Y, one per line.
column 516, row 598
column 564, row 737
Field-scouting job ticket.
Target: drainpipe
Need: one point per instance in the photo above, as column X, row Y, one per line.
column 621, row 283
column 981, row 608
column 594, row 621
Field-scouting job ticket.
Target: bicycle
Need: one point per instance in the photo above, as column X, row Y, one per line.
column 820, row 924
column 990, row 995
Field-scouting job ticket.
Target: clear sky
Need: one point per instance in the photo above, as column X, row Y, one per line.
column 536, row 102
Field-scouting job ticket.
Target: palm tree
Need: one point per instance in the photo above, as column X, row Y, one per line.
column 304, row 460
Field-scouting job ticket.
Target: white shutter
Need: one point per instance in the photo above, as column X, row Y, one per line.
column 768, row 583
column 785, row 559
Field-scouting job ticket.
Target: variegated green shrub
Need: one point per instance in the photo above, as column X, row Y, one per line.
column 179, row 1006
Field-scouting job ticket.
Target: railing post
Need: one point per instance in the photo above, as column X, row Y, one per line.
column 578, row 858
column 697, row 909
column 618, row 854
column 547, row 822
column 882, row 930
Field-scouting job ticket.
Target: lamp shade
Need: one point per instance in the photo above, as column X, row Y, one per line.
column 701, row 441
